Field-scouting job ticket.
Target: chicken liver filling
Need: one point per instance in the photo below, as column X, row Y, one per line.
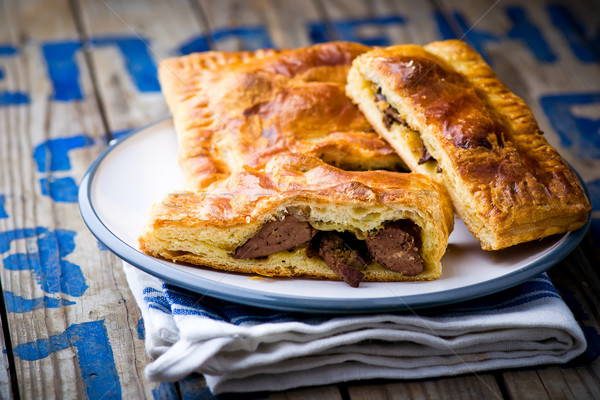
column 391, row 115
column 276, row 236
column 345, row 261
column 394, row 248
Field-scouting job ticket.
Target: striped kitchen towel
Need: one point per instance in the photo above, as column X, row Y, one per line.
column 243, row 349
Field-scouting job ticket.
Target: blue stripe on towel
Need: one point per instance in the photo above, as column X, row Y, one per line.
column 156, row 300
column 182, row 302
column 534, row 289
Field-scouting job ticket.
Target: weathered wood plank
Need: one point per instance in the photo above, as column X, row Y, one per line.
column 382, row 23
column 178, row 33
column 8, row 64
column 140, row 33
column 579, row 285
column 376, row 23
column 128, row 40
column 69, row 323
column 288, row 22
column 530, row 52
column 5, row 374
column 464, row 387
column 248, row 25
column 529, row 45
column 25, row 126
column 235, row 25
column 129, row 102
column 317, row 393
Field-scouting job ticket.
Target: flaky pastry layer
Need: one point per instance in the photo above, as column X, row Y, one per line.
column 446, row 113
column 240, row 109
column 206, row 227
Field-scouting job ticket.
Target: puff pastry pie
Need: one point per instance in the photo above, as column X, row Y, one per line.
column 261, row 135
column 240, row 109
column 299, row 216
column 447, row 115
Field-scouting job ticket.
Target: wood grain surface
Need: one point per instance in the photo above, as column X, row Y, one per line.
column 75, row 74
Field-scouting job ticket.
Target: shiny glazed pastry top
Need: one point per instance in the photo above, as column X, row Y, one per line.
column 240, row 109
column 299, row 216
column 446, row 113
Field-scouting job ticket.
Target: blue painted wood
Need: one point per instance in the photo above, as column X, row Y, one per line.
column 94, row 353
column 65, row 284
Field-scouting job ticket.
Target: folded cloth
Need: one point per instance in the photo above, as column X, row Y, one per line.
column 243, row 349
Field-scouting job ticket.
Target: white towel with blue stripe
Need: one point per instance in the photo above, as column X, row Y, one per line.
column 244, row 349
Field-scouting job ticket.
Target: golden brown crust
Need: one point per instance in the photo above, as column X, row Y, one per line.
column 258, row 132
column 507, row 183
column 206, row 227
column 241, row 109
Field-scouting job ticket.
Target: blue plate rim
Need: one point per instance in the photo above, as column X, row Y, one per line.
column 294, row 303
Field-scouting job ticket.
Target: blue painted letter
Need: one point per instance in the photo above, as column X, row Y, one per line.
column 529, row 34
column 579, row 132
column 10, row 98
column 52, row 154
column 252, row 38
column 62, row 190
column 18, row 304
column 138, row 62
column 349, row 30
column 522, row 29
column 94, row 354
column 475, row 38
column 52, row 271
column 64, row 72
column 585, row 48
column 3, row 213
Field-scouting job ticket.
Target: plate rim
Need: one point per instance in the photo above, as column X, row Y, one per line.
column 294, row 303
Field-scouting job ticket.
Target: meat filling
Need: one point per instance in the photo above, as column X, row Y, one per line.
column 394, row 247
column 391, row 116
column 345, row 261
column 276, row 236
column 425, row 156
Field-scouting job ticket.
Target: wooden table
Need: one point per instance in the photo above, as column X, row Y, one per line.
column 76, row 73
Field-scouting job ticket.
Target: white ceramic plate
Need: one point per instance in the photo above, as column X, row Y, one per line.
column 119, row 188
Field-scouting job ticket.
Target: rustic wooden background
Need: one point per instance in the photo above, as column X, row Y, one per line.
column 76, row 73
